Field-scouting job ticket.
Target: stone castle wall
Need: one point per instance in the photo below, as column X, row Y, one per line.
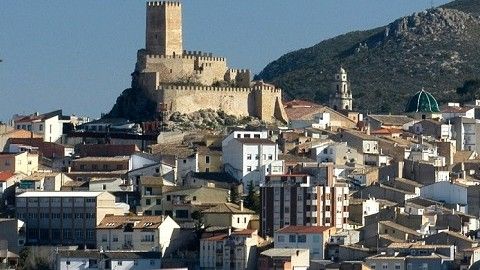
column 201, row 69
column 164, row 28
column 163, row 67
column 259, row 101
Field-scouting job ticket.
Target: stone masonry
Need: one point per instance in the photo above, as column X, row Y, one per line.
column 187, row 81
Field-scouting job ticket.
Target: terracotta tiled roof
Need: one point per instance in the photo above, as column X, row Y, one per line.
column 386, row 131
column 216, row 237
column 244, row 232
column 461, row 156
column 254, row 141
column 300, row 103
column 304, row 229
column 228, row 208
column 455, row 109
column 139, row 222
column 4, row 176
column 391, row 120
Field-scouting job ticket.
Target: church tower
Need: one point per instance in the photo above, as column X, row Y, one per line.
column 164, row 28
column 341, row 99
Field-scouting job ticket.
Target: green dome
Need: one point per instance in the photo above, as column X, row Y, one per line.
column 422, row 102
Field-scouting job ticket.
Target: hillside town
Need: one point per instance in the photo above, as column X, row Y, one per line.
column 290, row 184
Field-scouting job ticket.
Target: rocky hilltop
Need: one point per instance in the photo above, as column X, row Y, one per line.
column 436, row 49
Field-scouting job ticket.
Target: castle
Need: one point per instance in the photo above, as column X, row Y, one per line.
column 187, row 81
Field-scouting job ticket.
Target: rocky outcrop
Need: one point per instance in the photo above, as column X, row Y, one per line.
column 435, row 49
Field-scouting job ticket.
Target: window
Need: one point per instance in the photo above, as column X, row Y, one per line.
column 148, row 202
column 325, row 151
column 302, row 238
column 256, row 157
column 40, row 127
column 82, row 167
column 397, row 266
column 184, row 161
column 372, row 266
column 424, row 266
column 152, row 262
column 158, row 201
column 104, row 238
column 249, row 156
column 249, row 168
column 119, row 263
column 119, row 167
column 68, row 262
column 264, row 156
column 281, row 238
column 385, row 266
column 79, row 234
column 207, row 169
column 327, row 220
column 104, row 187
column 194, row 198
column 94, row 167
column 67, row 234
column 327, row 208
column 270, row 157
column 292, row 238
column 168, row 198
column 207, row 159
column 105, row 166
column 90, row 234
column 115, row 238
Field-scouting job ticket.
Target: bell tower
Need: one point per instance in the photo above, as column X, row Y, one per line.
column 341, row 98
column 164, row 28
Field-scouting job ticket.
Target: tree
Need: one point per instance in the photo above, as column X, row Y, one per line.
column 252, row 200
column 234, row 196
column 470, row 90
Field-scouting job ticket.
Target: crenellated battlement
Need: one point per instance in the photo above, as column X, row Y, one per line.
column 183, row 56
column 203, row 88
column 163, row 3
column 266, row 87
column 233, row 70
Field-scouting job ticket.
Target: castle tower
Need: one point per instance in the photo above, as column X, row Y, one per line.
column 341, row 99
column 164, row 28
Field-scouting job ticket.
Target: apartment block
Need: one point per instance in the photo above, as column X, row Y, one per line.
column 65, row 218
column 297, row 199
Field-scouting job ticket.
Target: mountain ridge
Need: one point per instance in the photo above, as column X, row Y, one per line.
column 434, row 49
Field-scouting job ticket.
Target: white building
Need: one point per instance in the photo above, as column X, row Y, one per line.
column 464, row 195
column 338, row 153
column 246, row 159
column 141, row 233
column 50, row 125
column 453, row 110
column 237, row 249
column 100, row 260
column 313, row 238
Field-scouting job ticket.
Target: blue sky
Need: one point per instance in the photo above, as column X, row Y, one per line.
column 78, row 55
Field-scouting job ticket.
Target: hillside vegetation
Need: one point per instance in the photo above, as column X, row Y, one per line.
column 436, row 49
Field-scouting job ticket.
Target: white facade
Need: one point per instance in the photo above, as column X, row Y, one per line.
column 244, row 135
column 138, row 239
column 247, row 162
column 322, row 121
column 314, row 242
column 104, row 260
column 445, row 191
column 223, row 251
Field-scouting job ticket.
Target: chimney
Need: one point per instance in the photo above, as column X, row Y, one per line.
column 229, row 231
column 241, row 205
